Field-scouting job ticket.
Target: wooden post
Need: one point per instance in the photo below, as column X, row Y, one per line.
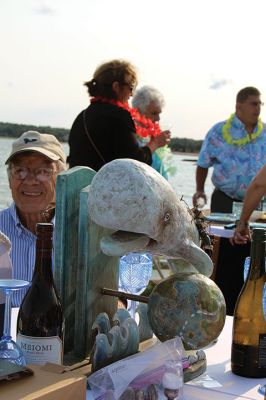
column 124, row 295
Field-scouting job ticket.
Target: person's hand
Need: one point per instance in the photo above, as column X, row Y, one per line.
column 162, row 139
column 196, row 199
column 241, row 233
column 167, row 136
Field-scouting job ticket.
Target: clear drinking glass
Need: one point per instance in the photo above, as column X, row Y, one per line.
column 237, row 208
column 262, row 389
column 135, row 272
column 8, row 347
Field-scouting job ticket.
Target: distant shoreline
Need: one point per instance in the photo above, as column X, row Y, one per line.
column 182, row 153
column 177, row 144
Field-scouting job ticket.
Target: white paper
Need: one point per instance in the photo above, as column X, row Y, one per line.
column 205, row 381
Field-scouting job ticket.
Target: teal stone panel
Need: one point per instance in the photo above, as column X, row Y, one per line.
column 68, row 186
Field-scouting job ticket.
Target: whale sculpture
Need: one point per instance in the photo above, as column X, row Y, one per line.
column 145, row 213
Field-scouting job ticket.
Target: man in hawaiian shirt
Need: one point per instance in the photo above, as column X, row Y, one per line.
column 236, row 149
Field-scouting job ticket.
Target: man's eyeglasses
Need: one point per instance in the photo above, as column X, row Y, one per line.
column 255, row 103
column 43, row 174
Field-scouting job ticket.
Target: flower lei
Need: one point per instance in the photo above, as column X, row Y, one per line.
column 239, row 142
column 145, row 128
column 143, row 125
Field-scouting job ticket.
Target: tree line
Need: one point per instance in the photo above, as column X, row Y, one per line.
column 15, row 130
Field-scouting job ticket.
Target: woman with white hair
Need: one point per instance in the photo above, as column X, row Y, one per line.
column 150, row 102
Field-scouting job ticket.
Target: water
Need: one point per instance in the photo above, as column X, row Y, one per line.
column 183, row 181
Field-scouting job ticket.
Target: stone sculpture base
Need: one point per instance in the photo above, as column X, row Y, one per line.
column 195, row 370
column 198, row 364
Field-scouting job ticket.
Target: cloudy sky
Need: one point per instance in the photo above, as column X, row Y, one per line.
column 198, row 53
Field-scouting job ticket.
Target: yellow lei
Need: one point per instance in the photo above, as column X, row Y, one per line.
column 239, row 142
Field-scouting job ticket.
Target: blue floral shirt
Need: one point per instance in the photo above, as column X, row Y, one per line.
column 233, row 166
column 23, row 249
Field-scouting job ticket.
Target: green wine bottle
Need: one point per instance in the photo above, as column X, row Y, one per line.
column 248, row 355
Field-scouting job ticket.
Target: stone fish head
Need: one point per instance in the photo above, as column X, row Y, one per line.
column 145, row 213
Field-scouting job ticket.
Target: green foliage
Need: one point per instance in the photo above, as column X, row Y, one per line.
column 185, row 145
column 15, row 130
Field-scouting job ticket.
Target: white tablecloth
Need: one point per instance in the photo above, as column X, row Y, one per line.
column 219, row 383
column 219, row 370
column 220, row 231
column 224, row 384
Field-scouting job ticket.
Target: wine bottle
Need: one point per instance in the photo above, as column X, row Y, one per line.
column 248, row 354
column 263, row 204
column 40, row 325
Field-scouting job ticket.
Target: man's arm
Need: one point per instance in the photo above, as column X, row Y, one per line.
column 201, row 175
column 254, row 194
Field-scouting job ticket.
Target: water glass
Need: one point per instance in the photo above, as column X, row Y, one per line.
column 135, row 272
column 9, row 349
column 237, row 208
column 262, row 390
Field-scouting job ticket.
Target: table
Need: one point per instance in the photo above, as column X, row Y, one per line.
column 225, row 385
column 219, row 369
column 228, row 263
column 222, row 383
column 218, row 230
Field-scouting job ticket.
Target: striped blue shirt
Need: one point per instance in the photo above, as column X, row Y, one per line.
column 22, row 250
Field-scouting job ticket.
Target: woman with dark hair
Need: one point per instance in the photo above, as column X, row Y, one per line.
column 106, row 130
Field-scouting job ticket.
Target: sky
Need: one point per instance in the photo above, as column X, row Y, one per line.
column 198, row 53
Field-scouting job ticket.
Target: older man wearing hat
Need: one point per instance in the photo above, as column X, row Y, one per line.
column 32, row 166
